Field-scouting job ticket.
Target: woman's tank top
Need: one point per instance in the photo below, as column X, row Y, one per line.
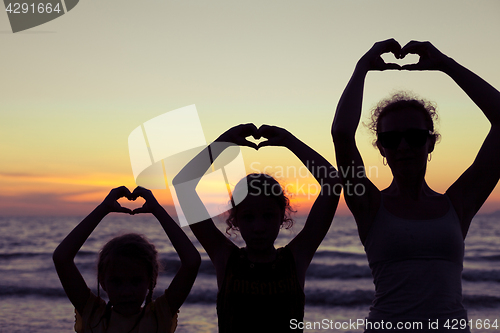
column 417, row 269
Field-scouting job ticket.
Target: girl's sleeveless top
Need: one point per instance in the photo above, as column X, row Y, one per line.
column 417, row 271
column 260, row 297
column 157, row 317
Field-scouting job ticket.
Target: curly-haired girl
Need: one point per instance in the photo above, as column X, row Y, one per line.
column 261, row 288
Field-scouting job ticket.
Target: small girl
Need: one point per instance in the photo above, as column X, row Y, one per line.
column 261, row 288
column 127, row 271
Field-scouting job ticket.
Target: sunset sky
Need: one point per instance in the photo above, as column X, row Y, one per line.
column 73, row 89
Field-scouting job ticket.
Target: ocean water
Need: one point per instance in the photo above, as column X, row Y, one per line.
column 339, row 285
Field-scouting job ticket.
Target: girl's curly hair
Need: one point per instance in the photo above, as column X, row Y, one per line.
column 261, row 184
column 399, row 101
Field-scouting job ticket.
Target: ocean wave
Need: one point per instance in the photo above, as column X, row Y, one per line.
column 31, row 291
column 481, row 301
column 475, row 275
column 483, row 258
column 16, row 255
column 313, row 297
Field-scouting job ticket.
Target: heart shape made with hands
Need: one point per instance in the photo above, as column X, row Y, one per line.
column 263, row 134
column 122, row 194
column 131, row 202
column 409, row 59
column 256, row 139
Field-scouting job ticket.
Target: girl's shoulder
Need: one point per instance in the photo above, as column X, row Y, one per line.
column 94, row 309
column 161, row 310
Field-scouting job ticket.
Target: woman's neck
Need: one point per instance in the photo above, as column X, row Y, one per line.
column 412, row 188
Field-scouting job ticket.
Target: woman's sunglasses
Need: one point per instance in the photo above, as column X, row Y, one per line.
column 414, row 137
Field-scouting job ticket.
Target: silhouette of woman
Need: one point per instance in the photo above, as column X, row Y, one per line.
column 414, row 236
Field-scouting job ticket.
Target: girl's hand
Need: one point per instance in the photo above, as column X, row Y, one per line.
column 151, row 203
column 276, row 136
column 372, row 60
column 111, row 204
column 238, row 135
column 430, row 57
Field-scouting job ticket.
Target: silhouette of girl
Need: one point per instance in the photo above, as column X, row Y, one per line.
column 261, row 288
column 127, row 271
column 414, row 236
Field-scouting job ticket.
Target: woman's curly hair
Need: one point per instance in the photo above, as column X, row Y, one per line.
column 399, row 101
column 261, row 184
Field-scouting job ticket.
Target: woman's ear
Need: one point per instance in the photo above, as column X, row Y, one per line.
column 432, row 143
column 381, row 149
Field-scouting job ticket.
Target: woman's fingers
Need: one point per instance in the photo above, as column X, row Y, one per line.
column 140, row 210
column 414, row 47
column 121, row 209
column 390, row 45
column 275, row 135
column 239, row 133
column 246, row 130
column 430, row 57
column 372, row 60
column 119, row 192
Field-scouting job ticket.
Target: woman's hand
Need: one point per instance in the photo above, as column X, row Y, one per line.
column 430, row 57
column 110, row 203
column 276, row 136
column 372, row 59
column 238, row 135
column 151, row 203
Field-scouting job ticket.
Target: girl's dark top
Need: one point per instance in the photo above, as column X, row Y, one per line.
column 260, row 297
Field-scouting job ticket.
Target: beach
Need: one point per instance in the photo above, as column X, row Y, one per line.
column 339, row 287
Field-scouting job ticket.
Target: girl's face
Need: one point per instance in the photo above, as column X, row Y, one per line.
column 259, row 219
column 407, row 158
column 126, row 281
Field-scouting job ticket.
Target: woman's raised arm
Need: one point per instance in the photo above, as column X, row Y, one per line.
column 347, row 117
column 474, row 186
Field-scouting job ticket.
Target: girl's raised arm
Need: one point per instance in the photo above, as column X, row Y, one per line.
column 344, row 127
column 217, row 245
column 474, row 186
column 73, row 283
column 183, row 280
column 319, row 220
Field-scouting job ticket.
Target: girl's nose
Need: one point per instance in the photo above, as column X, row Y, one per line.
column 259, row 225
